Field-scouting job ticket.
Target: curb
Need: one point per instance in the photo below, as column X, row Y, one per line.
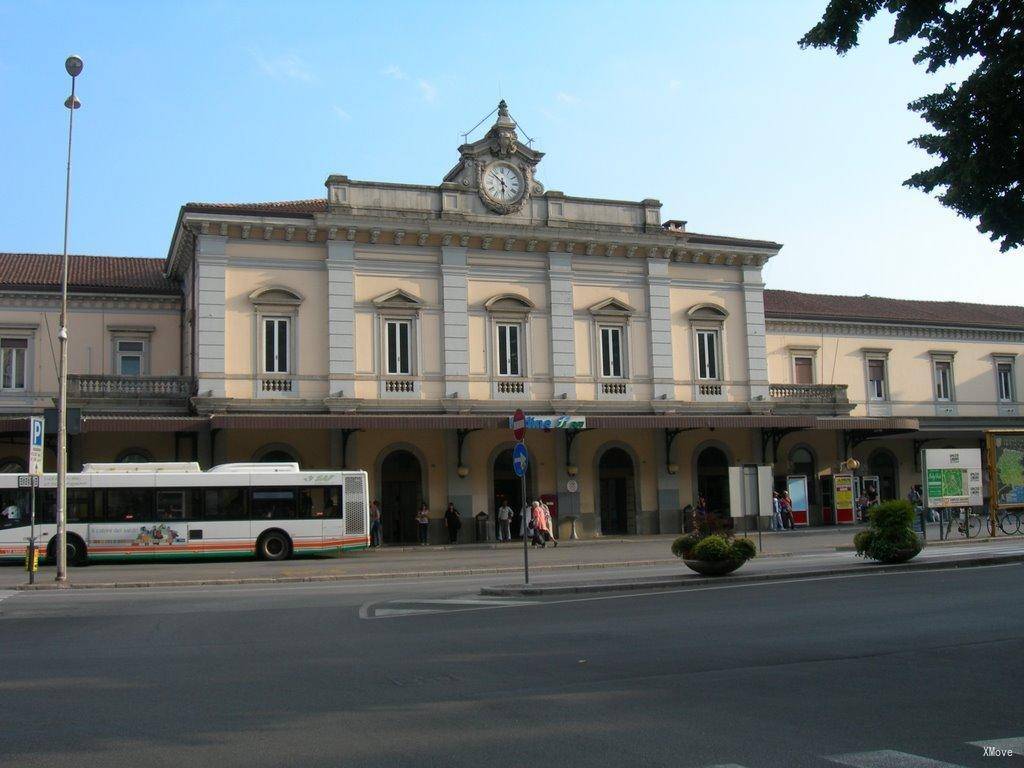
column 329, row 577
column 705, row 581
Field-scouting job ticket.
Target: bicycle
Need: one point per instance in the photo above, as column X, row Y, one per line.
column 1011, row 523
column 971, row 526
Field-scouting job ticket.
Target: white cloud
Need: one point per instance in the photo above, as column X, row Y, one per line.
column 341, row 114
column 427, row 91
column 395, row 72
column 674, row 85
column 567, row 98
column 287, row 66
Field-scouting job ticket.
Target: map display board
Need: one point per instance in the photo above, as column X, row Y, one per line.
column 1006, row 468
column 951, row 477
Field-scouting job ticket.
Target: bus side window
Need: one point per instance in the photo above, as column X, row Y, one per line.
column 170, row 504
column 129, row 504
column 273, row 503
column 46, row 506
column 225, row 504
column 310, row 506
column 332, row 502
column 14, row 510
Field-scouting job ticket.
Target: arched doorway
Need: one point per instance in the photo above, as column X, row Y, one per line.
column 713, row 480
column 617, row 492
column 509, row 487
column 401, row 493
column 802, row 462
column 883, row 465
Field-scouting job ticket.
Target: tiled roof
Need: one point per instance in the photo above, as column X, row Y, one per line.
column 94, row 274
column 815, row 306
column 302, row 208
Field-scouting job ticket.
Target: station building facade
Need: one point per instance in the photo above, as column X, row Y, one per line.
column 395, row 327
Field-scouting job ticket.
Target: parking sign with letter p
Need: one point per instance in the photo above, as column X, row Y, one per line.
column 35, row 445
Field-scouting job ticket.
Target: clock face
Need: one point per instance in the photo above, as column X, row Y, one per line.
column 502, row 183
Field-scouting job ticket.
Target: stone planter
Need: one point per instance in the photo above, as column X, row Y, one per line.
column 712, row 567
column 901, row 556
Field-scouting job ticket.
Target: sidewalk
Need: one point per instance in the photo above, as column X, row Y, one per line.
column 413, row 562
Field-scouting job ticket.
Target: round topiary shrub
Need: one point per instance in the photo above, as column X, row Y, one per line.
column 742, row 550
column 683, row 545
column 712, row 549
column 889, row 537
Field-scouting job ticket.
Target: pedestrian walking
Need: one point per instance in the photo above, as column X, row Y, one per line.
column 549, row 529
column 375, row 526
column 776, row 512
column 537, row 525
column 423, row 524
column 453, row 523
column 787, row 510
column 504, row 521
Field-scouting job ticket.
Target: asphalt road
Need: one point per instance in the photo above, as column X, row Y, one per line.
column 852, row 670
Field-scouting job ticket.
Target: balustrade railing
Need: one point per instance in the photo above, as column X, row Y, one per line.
column 808, row 393
column 87, row 385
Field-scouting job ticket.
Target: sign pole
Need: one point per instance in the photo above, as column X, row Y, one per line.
column 35, row 468
column 526, row 551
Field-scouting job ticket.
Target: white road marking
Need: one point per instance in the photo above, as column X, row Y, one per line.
column 888, row 758
column 1016, row 744
column 444, row 605
column 478, row 601
column 5, row 593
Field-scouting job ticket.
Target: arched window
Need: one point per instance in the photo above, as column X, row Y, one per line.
column 11, row 465
column 801, row 462
column 883, row 464
column 134, row 456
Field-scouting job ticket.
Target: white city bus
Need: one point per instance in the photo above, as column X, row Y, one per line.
column 271, row 511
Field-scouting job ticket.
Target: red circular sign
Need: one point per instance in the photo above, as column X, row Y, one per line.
column 519, row 424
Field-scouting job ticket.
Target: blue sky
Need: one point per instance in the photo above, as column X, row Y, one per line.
column 708, row 106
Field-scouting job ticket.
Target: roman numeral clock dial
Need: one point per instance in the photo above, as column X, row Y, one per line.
column 502, row 185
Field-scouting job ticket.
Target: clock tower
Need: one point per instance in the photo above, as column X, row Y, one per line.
column 498, row 167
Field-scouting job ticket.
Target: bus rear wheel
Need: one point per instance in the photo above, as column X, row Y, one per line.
column 75, row 547
column 274, row 545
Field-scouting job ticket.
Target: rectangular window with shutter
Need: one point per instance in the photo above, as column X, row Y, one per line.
column 275, row 345
column 1004, row 381
column 943, row 380
column 397, row 347
column 13, row 352
column 876, row 379
column 707, row 355
column 611, row 352
column 508, row 350
column 803, row 370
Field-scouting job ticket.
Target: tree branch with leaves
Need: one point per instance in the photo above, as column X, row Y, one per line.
column 978, row 124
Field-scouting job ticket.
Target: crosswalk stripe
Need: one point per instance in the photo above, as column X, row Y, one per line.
column 888, row 758
column 5, row 593
column 1016, row 744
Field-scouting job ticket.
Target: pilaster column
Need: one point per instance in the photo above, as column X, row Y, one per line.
column 563, row 337
column 668, row 486
column 211, row 263
column 455, row 297
column 341, row 317
column 662, row 370
column 757, row 350
column 460, row 489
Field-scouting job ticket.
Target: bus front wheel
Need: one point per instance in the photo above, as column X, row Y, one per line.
column 274, row 545
column 75, row 547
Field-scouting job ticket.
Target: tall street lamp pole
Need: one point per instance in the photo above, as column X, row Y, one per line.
column 73, row 65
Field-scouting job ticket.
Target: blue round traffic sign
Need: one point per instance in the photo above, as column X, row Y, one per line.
column 520, row 459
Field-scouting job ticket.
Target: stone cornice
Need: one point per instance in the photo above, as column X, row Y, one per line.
column 496, row 236
column 890, row 330
column 38, row 299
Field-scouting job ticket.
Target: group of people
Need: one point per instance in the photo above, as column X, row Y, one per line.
column 539, row 526
column 782, row 511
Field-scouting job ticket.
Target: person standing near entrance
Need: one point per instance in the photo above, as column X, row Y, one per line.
column 375, row 529
column 504, row 521
column 453, row 523
column 787, row 510
column 776, row 512
column 549, row 530
column 423, row 524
